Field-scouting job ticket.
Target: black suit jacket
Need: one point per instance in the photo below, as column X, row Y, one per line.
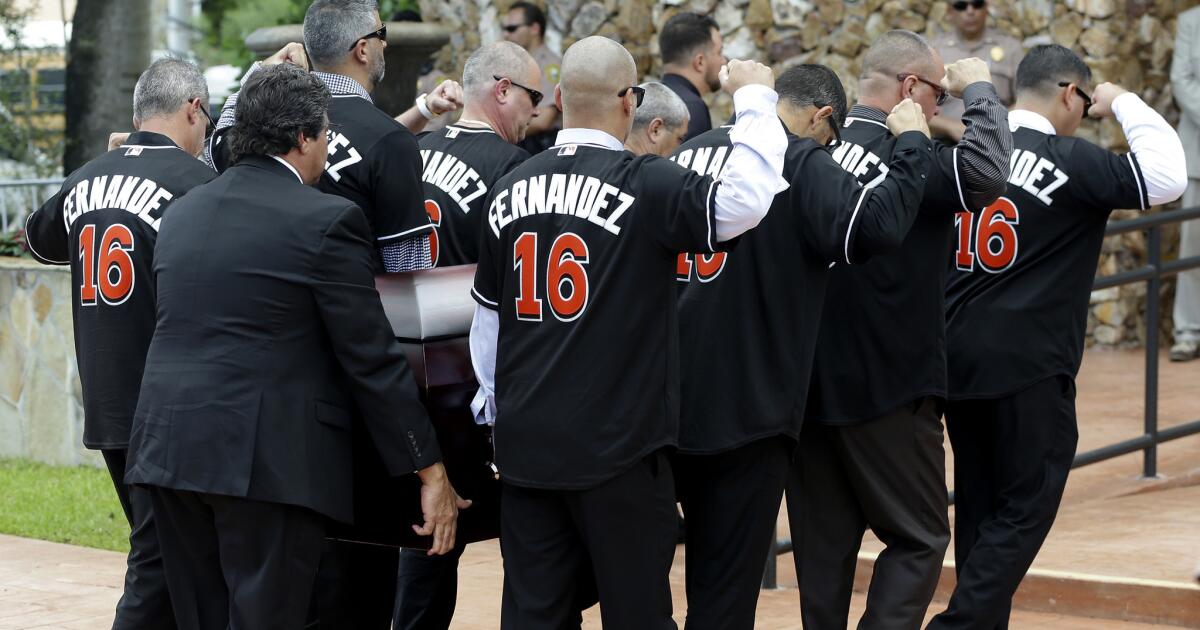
column 269, row 334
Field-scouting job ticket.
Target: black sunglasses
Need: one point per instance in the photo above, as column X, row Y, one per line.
column 534, row 95
column 639, row 92
column 512, row 28
column 833, row 125
column 381, row 34
column 212, row 124
column 941, row 91
column 1087, row 100
column 962, row 5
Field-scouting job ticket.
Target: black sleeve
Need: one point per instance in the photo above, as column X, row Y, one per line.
column 343, row 288
column 1104, row 180
column 982, row 155
column 396, row 191
column 489, row 280
column 46, row 233
column 676, row 206
column 889, row 209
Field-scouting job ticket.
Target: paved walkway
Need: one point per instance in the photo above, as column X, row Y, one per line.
column 1113, row 523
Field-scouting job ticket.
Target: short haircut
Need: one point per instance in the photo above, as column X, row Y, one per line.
column 533, row 14
column 500, row 58
column 813, row 84
column 332, row 27
column 1046, row 65
column 683, row 35
column 660, row 102
column 276, row 104
column 167, row 85
column 895, row 52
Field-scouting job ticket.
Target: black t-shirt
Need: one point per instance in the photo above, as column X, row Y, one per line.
column 104, row 223
column 374, row 162
column 1022, row 273
column 460, row 165
column 748, row 318
column 882, row 342
column 578, row 257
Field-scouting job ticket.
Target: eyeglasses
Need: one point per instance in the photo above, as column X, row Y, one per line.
column 833, row 125
column 212, row 125
column 380, row 34
column 638, row 92
column 534, row 95
column 941, row 91
column 512, row 28
column 1087, row 100
column 962, row 5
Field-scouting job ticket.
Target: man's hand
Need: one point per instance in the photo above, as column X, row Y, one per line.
column 737, row 74
column 907, row 115
column 446, row 97
column 1102, row 99
column 964, row 72
column 117, row 139
column 292, row 53
column 439, row 507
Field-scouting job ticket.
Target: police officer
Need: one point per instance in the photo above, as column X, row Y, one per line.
column 973, row 37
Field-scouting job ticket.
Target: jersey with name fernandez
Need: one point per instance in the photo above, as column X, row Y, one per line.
column 460, row 164
column 104, row 223
column 1023, row 267
column 578, row 257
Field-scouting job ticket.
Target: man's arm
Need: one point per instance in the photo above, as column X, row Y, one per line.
column 292, row 53
column 1157, row 172
column 485, row 331
column 981, row 158
column 1184, row 79
column 46, row 235
column 402, row 226
column 446, row 97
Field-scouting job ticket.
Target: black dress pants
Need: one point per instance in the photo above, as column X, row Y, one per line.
column 1011, row 460
column 426, row 590
column 355, row 587
column 731, row 502
column 887, row 474
column 145, row 602
column 237, row 564
column 622, row 532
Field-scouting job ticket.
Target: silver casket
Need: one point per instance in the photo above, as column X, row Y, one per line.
column 430, row 312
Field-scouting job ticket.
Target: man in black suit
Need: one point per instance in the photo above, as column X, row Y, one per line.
column 270, row 333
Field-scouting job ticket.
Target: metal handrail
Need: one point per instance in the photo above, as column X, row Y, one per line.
column 35, row 185
column 1152, row 273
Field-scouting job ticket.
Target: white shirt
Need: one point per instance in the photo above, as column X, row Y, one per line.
column 752, row 176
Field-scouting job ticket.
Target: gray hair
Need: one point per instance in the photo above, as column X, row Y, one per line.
column 332, row 27
column 660, row 102
column 895, row 52
column 167, row 85
column 502, row 58
column 276, row 105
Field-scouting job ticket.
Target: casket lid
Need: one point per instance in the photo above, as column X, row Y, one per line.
column 428, row 305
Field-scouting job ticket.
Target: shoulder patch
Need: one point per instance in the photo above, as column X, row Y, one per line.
column 551, row 71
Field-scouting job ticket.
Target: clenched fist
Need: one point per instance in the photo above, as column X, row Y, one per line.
column 737, row 74
column 1102, row 99
column 907, row 115
column 964, row 72
column 292, row 53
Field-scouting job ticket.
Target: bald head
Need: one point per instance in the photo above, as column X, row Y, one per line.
column 898, row 52
column 502, row 59
column 593, row 71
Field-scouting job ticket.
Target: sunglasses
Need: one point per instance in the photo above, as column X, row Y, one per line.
column 1087, row 100
column 512, row 28
column 534, row 95
column 833, row 125
column 380, row 34
column 638, row 92
column 962, row 5
column 212, row 124
column 941, row 91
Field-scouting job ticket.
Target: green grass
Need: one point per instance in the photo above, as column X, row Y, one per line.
column 69, row 505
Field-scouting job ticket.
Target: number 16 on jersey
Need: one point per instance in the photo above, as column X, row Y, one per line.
column 566, row 279
column 988, row 239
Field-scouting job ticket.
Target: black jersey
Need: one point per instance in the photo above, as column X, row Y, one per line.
column 748, row 318
column 883, row 337
column 460, row 165
column 1022, row 272
column 578, row 257
column 104, row 223
column 374, row 162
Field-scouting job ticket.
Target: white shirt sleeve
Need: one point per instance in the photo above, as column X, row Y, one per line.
column 753, row 174
column 485, row 329
column 1156, row 146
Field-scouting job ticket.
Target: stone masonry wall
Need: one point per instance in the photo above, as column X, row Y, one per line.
column 41, row 410
column 1128, row 42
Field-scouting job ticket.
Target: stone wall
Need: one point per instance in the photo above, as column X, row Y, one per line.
column 1125, row 41
column 41, row 410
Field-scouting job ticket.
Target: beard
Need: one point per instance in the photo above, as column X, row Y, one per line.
column 714, row 82
column 378, row 70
